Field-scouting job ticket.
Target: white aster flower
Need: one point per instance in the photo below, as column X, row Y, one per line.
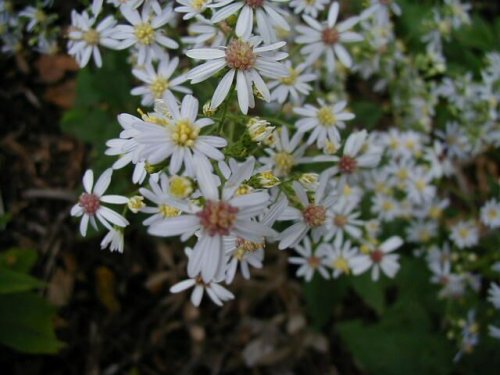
column 381, row 10
column 35, row 15
column 386, row 207
column 90, row 207
column 85, row 38
column 265, row 12
column 285, row 154
column 490, row 214
column 342, row 218
column 494, row 331
column 323, row 122
column 161, row 197
column 145, row 31
column 246, row 62
column 134, row 4
column 179, row 138
column 203, row 34
column 465, row 234
column 379, row 259
column 359, row 154
column 419, row 188
column 309, row 7
column 294, row 85
column 114, row 240
column 340, row 256
column 158, row 82
column 248, row 254
column 310, row 217
column 217, row 293
column 326, row 38
column 222, row 214
column 421, row 231
column 494, row 295
column 309, row 262
column 192, row 8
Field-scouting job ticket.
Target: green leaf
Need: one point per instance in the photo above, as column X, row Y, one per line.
column 14, row 282
column 367, row 114
column 372, row 293
column 321, row 296
column 17, row 259
column 26, row 324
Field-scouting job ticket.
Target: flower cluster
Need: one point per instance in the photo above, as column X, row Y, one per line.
column 276, row 158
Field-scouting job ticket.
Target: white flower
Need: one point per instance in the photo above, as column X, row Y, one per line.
column 217, row 293
column 126, row 3
column 158, row 82
column 381, row 9
column 421, row 231
column 161, row 197
column 222, row 214
column 327, row 38
column 114, row 240
column 294, row 84
column 309, row 7
column 90, row 207
column 192, row 8
column 323, row 122
column 85, row 39
column 343, row 219
column 266, row 13
column 456, row 141
column 419, row 188
column 36, row 15
column 340, row 256
column 247, row 62
column 386, row 207
column 309, row 262
column 379, row 259
column 494, row 331
column 310, row 216
column 179, row 139
column 145, row 32
column 285, row 154
column 465, row 234
column 494, row 295
column 490, row 214
column 359, row 153
column 203, row 33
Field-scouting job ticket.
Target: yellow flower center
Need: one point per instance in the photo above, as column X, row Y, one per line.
column 284, row 161
column 341, row 264
column 158, row 87
column 91, row 37
column 403, row 174
column 40, row 15
column 243, row 190
column 463, row 233
column 180, row 187
column 326, row 117
column 420, row 185
column 198, row 4
column 136, row 203
column 387, row 206
column 145, row 33
column 435, row 212
column 310, row 2
column 240, row 55
column 169, row 211
column 185, row 133
column 291, row 78
column 492, row 214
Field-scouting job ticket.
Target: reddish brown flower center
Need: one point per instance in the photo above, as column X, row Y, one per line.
column 314, row 216
column 340, row 221
column 254, row 3
column 90, row 203
column 377, row 256
column 217, row 218
column 240, row 55
column 330, row 36
column 347, row 164
column 314, row 262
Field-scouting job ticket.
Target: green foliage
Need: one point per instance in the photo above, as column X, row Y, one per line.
column 100, row 96
column 26, row 319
